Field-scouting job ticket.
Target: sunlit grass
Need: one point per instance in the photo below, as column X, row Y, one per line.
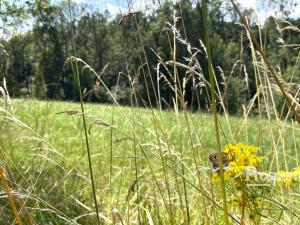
column 149, row 165
column 60, row 187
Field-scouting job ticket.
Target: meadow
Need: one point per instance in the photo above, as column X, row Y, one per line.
column 176, row 127
column 146, row 165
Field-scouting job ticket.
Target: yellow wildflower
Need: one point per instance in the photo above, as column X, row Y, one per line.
column 241, row 156
column 284, row 178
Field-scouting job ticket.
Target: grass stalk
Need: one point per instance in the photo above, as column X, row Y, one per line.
column 214, row 108
column 10, row 198
column 78, row 86
column 243, row 201
column 111, row 139
column 174, row 64
column 277, row 79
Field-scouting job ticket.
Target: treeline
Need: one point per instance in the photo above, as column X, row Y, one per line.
column 127, row 51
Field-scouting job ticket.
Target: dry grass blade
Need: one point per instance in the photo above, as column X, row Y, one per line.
column 5, row 94
column 266, row 61
column 9, row 196
column 71, row 112
column 102, row 123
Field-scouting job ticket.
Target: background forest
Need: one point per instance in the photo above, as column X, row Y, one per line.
column 149, row 116
column 36, row 64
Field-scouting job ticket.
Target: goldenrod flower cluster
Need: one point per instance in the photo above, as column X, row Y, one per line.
column 288, row 178
column 240, row 156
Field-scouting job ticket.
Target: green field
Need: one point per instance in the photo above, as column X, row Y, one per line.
column 176, row 113
column 144, row 161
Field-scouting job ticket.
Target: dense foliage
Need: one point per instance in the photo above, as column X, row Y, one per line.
column 127, row 48
column 112, row 164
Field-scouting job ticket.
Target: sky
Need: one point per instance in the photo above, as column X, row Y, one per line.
column 262, row 8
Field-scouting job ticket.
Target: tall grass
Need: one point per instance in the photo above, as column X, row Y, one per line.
column 76, row 77
column 148, row 165
column 213, row 103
